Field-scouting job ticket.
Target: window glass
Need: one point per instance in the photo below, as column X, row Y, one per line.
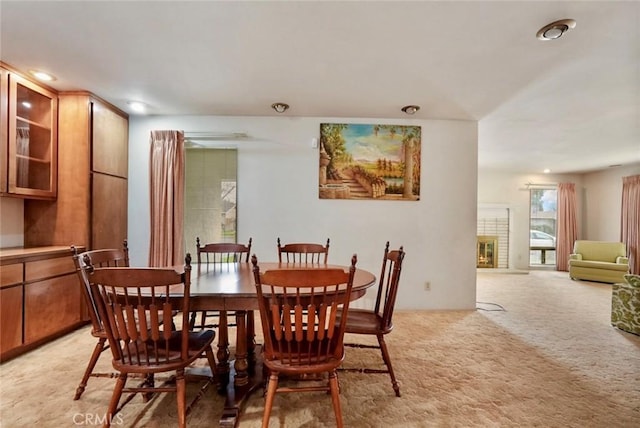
column 542, row 226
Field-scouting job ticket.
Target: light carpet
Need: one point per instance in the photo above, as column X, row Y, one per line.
column 549, row 359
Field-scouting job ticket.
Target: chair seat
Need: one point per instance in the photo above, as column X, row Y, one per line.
column 198, row 342
column 362, row 321
column 98, row 333
column 313, row 367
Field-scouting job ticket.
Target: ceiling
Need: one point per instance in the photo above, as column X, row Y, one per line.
column 571, row 105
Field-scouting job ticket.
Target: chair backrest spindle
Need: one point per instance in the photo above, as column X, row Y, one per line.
column 303, row 252
column 222, row 252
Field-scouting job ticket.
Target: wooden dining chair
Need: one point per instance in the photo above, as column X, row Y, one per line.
column 132, row 302
column 303, row 252
column 98, row 258
column 302, row 334
column 378, row 321
column 218, row 256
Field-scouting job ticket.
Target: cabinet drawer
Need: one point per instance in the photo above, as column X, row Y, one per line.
column 48, row 268
column 11, row 274
column 51, row 306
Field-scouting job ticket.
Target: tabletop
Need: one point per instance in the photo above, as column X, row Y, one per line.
column 237, row 278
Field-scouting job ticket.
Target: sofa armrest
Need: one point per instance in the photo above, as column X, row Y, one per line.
column 622, row 260
column 575, row 256
column 632, row 280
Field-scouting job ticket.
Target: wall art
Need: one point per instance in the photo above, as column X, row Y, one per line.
column 369, row 162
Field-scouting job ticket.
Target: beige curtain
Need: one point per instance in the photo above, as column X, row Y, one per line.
column 630, row 227
column 567, row 224
column 166, row 188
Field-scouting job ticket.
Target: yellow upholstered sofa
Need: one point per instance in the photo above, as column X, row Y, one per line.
column 599, row 261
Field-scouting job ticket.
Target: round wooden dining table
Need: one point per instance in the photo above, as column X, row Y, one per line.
column 230, row 287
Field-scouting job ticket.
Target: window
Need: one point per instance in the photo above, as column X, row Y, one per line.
column 542, row 227
column 210, row 196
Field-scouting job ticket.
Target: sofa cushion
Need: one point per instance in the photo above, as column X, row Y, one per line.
column 600, row 250
column 599, row 265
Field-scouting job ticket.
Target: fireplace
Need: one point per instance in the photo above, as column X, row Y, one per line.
column 487, row 252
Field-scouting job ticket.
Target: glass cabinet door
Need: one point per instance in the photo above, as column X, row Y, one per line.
column 32, row 163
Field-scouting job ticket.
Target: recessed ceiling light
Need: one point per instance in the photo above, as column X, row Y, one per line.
column 556, row 29
column 280, row 107
column 137, row 106
column 41, row 75
column 410, row 109
column 547, row 171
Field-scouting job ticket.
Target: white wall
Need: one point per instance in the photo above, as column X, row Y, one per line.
column 12, row 224
column 602, row 192
column 278, row 197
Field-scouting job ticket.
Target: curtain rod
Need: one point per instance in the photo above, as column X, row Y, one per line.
column 529, row 185
column 215, row 135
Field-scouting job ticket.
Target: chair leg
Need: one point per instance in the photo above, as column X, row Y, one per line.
column 212, row 362
column 335, row 397
column 97, row 350
column 272, row 386
column 181, row 394
column 387, row 361
column 115, row 399
column 149, row 382
column 192, row 320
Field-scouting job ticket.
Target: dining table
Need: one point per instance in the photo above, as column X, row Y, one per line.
column 230, row 289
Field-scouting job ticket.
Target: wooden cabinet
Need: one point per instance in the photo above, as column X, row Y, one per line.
column 29, row 137
column 40, row 298
column 10, row 306
column 91, row 207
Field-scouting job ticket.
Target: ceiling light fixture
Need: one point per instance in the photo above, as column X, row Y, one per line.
column 42, row 76
column 547, row 171
column 410, row 109
column 137, row 106
column 556, row 29
column 280, row 107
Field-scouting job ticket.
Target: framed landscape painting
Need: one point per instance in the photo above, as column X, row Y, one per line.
column 369, row 162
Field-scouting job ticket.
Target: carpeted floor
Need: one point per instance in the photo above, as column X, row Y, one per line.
column 538, row 352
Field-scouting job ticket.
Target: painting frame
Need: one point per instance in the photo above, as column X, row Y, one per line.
column 370, row 161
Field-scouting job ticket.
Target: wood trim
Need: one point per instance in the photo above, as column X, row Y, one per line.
column 4, row 129
column 22, row 255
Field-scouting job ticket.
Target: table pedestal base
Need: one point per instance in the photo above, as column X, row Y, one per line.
column 237, row 396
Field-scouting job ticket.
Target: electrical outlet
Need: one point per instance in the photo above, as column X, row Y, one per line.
column 427, row 286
